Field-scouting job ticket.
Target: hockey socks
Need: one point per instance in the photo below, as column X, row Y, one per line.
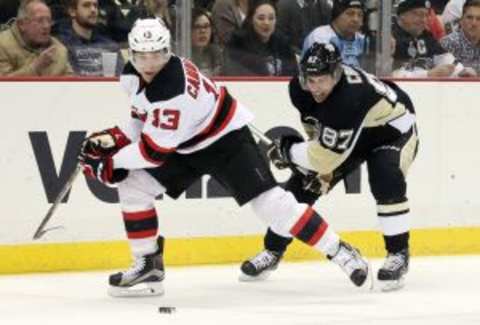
column 313, row 230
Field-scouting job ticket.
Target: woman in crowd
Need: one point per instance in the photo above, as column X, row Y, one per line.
column 205, row 53
column 257, row 49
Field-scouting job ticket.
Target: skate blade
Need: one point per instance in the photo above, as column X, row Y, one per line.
column 144, row 289
column 387, row 286
column 249, row 278
column 370, row 282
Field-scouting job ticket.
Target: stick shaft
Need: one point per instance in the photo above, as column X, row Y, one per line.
column 260, row 134
column 66, row 187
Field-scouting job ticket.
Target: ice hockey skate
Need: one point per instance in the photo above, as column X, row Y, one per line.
column 259, row 267
column 353, row 264
column 143, row 278
column 391, row 275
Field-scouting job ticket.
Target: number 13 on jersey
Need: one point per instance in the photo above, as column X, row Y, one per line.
column 166, row 118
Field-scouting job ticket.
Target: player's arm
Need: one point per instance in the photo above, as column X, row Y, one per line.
column 164, row 129
column 109, row 141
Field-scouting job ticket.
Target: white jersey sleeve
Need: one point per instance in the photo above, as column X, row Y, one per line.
column 133, row 126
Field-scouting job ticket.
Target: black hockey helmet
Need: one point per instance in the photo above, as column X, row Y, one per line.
column 320, row 59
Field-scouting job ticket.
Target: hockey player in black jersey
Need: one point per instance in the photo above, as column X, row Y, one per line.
column 350, row 117
column 183, row 126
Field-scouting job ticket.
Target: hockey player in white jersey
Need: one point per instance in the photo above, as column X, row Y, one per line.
column 183, row 126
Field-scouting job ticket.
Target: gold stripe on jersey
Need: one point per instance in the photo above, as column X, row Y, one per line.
column 407, row 154
column 322, row 159
column 383, row 112
column 392, row 208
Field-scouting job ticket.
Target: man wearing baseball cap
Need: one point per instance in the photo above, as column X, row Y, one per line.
column 344, row 31
column 417, row 52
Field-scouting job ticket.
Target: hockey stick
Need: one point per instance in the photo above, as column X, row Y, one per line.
column 66, row 187
column 261, row 136
column 266, row 140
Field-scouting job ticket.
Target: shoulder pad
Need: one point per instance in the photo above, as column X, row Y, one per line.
column 130, row 79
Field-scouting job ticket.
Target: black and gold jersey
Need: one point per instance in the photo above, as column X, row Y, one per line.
column 360, row 114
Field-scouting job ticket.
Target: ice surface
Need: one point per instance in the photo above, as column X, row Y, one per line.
column 439, row 290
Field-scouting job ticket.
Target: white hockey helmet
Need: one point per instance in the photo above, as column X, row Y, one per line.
column 149, row 35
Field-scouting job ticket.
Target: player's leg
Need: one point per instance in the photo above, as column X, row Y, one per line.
column 144, row 278
column 259, row 266
column 282, row 212
column 278, row 208
column 387, row 169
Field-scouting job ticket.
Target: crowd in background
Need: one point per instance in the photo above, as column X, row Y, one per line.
column 240, row 37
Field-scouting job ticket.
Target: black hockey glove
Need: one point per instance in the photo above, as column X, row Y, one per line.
column 104, row 143
column 102, row 170
column 279, row 151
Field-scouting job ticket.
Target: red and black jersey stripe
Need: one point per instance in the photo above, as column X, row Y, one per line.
column 224, row 112
column 136, row 115
column 141, row 224
column 153, row 152
column 310, row 227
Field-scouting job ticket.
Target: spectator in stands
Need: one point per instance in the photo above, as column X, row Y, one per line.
column 9, row 8
column 154, row 8
column 417, row 53
column 27, row 47
column 205, row 53
column 344, row 31
column 85, row 42
column 435, row 25
column 112, row 21
column 257, row 49
column 452, row 11
column 464, row 43
column 296, row 19
column 228, row 16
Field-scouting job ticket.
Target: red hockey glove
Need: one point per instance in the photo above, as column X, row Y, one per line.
column 104, row 143
column 102, row 170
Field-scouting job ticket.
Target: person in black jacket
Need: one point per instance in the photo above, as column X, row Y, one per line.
column 257, row 49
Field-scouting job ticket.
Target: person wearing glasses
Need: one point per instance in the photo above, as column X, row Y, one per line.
column 206, row 54
column 27, row 47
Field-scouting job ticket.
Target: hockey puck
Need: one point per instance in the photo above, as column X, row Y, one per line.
column 166, row 310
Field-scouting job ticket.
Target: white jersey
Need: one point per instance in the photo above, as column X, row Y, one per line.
column 180, row 111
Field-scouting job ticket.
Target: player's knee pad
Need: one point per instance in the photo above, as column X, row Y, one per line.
column 278, row 209
column 388, row 185
column 138, row 191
